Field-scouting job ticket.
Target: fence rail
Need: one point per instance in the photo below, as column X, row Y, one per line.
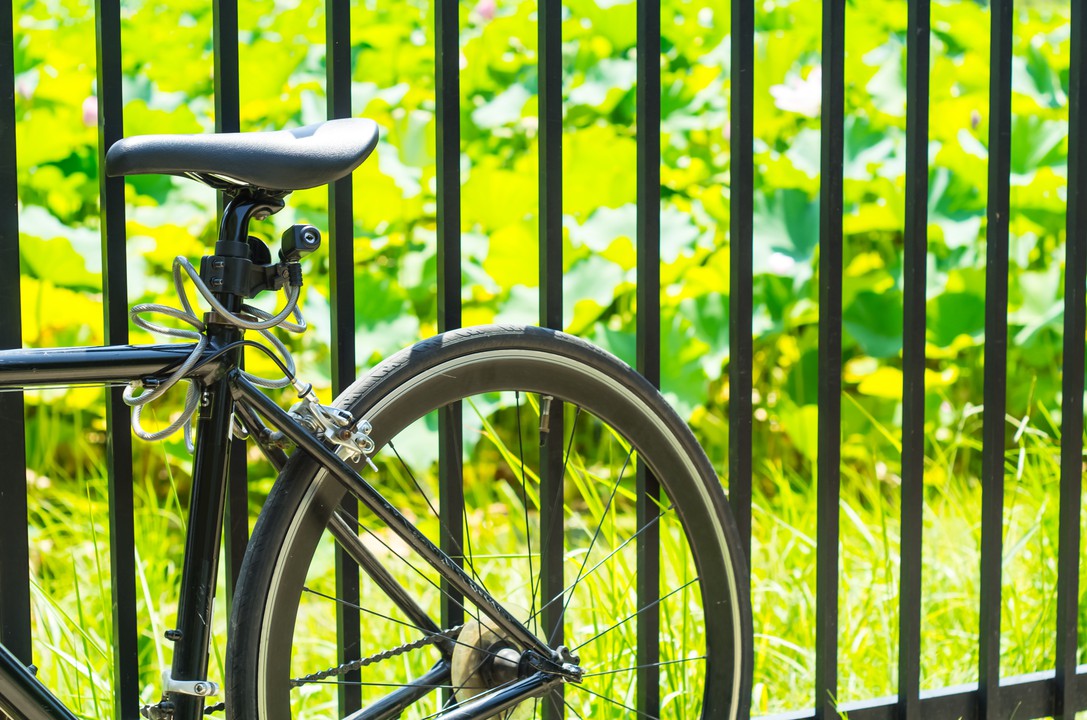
column 1059, row 692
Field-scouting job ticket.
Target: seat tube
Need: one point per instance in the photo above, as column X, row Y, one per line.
column 207, row 502
column 209, row 477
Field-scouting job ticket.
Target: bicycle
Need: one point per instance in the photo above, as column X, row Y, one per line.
column 505, row 583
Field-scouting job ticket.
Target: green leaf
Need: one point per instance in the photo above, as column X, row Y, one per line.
column 504, row 109
column 801, row 424
column 802, row 383
column 709, row 318
column 605, row 83
column 1036, row 142
column 684, row 380
column 954, row 315
column 786, row 233
column 866, row 147
column 952, row 208
column 603, row 226
column 1034, row 75
column 513, row 258
column 874, row 320
column 600, row 170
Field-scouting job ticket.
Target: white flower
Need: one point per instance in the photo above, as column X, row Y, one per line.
column 800, row 96
column 781, row 264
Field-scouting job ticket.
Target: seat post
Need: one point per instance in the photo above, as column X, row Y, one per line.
column 233, row 242
column 246, row 205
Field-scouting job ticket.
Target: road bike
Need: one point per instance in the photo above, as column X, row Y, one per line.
column 566, row 551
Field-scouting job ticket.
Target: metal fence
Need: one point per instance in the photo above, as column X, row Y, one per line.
column 1059, row 692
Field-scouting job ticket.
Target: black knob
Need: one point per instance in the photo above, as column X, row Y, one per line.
column 297, row 241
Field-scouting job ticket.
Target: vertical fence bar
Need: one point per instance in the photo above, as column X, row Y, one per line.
column 550, row 153
column 549, row 30
column 115, row 306
column 913, row 360
column 340, row 214
column 341, row 259
column 830, row 359
column 227, row 119
column 1075, row 274
column 225, row 39
column 648, row 342
column 996, row 357
column 741, row 244
column 447, row 90
column 15, row 558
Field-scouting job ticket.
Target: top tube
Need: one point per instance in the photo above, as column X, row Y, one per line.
column 52, row 367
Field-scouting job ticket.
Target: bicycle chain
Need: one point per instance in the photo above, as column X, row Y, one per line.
column 434, row 639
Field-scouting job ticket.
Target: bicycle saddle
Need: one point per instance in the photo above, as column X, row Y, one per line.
column 277, row 161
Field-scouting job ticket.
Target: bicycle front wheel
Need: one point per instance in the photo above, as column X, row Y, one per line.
column 570, row 493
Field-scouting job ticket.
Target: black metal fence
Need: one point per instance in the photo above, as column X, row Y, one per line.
column 1059, row 692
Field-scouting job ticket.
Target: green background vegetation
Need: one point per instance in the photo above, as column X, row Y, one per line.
column 167, row 63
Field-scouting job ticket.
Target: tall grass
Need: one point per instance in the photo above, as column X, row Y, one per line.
column 784, row 570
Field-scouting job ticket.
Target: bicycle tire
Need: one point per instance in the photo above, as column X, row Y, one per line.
column 284, row 553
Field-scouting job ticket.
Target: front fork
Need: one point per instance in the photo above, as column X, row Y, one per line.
column 186, row 686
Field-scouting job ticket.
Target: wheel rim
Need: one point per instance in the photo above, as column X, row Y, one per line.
column 699, row 645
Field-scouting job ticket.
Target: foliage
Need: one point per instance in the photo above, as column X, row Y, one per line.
column 167, row 61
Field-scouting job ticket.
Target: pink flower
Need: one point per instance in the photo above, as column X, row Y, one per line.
column 485, row 9
column 90, row 111
column 24, row 87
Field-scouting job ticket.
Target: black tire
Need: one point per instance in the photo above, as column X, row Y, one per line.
column 279, row 621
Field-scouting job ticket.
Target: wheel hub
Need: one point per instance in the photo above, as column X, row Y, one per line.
column 483, row 660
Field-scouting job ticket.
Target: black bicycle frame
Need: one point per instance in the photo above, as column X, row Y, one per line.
column 225, row 390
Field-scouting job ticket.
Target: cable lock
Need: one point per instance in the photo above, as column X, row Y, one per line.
column 250, row 318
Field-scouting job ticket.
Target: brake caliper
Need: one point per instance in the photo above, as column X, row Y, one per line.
column 337, row 427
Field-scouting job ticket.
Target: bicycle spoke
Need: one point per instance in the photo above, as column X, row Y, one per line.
column 467, row 558
column 617, row 703
column 610, row 555
column 569, row 707
column 639, row 667
column 349, row 541
column 596, row 534
column 434, row 511
column 524, row 504
column 368, row 611
column 429, row 686
column 636, row 613
column 546, row 540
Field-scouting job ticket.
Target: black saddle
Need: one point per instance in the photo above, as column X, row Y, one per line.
column 278, row 161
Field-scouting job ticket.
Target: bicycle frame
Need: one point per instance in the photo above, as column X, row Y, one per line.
column 224, row 391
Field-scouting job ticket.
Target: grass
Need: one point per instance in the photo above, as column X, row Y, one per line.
column 71, row 579
column 784, row 573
